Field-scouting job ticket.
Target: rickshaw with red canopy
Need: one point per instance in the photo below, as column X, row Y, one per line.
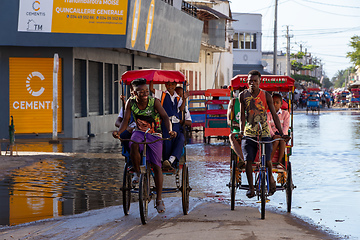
column 271, row 83
column 313, row 100
column 215, row 113
column 146, row 190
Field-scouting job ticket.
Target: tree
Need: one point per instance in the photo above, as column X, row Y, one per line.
column 327, row 83
column 306, row 78
column 355, row 55
column 341, row 76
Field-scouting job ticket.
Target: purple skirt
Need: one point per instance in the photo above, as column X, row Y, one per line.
column 153, row 151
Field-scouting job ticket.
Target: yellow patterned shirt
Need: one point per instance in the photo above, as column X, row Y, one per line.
column 256, row 111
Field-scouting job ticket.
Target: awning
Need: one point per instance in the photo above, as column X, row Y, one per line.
column 205, row 12
column 268, row 82
column 156, row 75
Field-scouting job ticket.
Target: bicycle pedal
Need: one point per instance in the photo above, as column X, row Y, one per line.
column 267, row 200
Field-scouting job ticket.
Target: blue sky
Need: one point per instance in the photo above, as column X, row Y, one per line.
column 324, row 27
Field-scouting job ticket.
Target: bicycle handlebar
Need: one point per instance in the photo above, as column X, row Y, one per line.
column 271, row 141
column 160, row 139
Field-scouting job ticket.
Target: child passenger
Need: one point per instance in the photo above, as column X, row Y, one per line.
column 173, row 105
column 284, row 118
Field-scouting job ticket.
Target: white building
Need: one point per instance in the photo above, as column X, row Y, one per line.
column 247, row 43
column 214, row 68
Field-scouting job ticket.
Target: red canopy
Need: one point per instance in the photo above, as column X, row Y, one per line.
column 196, row 92
column 268, row 82
column 313, row 89
column 158, row 76
column 217, row 93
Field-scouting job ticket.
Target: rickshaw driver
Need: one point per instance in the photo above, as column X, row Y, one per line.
column 254, row 103
column 146, row 111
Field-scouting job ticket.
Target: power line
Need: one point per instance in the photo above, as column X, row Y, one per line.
column 323, row 29
column 332, row 13
column 333, row 5
column 267, row 8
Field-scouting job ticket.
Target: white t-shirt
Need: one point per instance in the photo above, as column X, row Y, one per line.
column 158, row 94
column 187, row 114
column 121, row 115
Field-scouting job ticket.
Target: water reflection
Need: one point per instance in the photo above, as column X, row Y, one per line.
column 59, row 187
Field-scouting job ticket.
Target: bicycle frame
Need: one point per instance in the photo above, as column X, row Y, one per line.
column 263, row 171
column 143, row 165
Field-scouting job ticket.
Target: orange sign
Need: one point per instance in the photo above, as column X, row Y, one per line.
column 73, row 16
column 31, row 94
column 93, row 17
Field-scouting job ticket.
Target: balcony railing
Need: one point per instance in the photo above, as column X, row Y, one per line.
column 168, row 2
column 189, row 9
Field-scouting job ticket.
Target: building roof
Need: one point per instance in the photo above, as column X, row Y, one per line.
column 209, row 13
column 246, row 68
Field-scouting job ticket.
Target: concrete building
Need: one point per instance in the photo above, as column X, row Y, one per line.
column 267, row 58
column 214, row 66
column 308, row 59
column 96, row 43
column 247, row 42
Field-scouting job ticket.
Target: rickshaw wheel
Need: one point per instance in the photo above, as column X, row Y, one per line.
column 185, row 189
column 233, row 182
column 126, row 190
column 289, row 187
column 144, row 196
column 262, row 194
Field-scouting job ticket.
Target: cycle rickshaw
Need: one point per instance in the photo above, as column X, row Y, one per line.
column 146, row 189
column 313, row 100
column 276, row 84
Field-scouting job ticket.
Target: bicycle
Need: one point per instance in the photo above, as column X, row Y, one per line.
column 145, row 191
column 262, row 179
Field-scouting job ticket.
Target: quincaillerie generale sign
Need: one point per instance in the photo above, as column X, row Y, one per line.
column 73, row 16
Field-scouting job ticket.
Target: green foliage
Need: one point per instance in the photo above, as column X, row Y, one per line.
column 297, row 66
column 341, row 76
column 298, row 55
column 306, row 78
column 355, row 55
column 327, row 83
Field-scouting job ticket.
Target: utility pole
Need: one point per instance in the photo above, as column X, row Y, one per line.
column 275, row 39
column 288, row 64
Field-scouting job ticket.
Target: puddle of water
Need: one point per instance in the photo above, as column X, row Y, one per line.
column 60, row 187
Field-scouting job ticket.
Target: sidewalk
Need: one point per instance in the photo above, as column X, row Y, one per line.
column 206, row 220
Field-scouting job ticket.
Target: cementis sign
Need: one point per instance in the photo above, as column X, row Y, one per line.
column 31, row 94
column 73, row 16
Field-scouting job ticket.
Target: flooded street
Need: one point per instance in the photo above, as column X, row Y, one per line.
column 325, row 163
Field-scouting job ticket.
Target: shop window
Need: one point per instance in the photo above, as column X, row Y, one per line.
column 80, row 88
column 116, row 89
column 95, row 88
column 108, row 85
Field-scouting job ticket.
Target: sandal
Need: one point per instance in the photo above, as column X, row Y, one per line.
column 166, row 166
column 160, row 206
column 272, row 189
column 135, row 179
column 250, row 193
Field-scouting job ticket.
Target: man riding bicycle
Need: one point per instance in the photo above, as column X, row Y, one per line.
column 254, row 104
column 147, row 112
